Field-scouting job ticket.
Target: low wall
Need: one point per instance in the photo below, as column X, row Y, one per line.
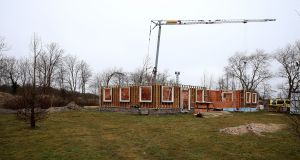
column 142, row 111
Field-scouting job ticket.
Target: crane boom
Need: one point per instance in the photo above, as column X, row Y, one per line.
column 217, row 21
column 159, row 23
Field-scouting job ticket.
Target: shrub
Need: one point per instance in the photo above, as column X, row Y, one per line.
column 42, row 101
column 13, row 103
column 84, row 101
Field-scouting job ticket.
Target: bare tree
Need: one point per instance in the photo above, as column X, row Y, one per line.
column 289, row 70
column 265, row 91
column 119, row 78
column 251, row 70
column 283, row 90
column 48, row 63
column 3, row 45
column 61, row 75
column 162, row 77
column 221, row 83
column 227, row 78
column 142, row 75
column 10, row 72
column 2, row 69
column 95, row 83
column 113, row 76
column 36, row 49
column 226, row 82
column 146, row 70
column 25, row 71
column 72, row 68
column 106, row 76
column 137, row 77
column 13, row 73
column 204, row 79
column 211, row 82
column 85, row 74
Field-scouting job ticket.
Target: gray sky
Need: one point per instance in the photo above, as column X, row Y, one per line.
column 111, row 33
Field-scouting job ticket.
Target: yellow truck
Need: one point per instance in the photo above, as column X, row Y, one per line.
column 279, row 105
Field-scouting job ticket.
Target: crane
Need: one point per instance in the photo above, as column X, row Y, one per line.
column 159, row 23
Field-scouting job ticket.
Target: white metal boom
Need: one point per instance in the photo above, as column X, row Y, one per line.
column 159, row 23
column 217, row 21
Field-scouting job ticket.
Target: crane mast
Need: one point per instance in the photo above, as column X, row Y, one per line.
column 159, row 23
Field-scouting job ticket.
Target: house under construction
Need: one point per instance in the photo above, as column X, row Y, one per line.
column 171, row 98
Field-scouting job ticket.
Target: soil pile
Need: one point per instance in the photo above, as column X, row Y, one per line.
column 69, row 107
column 255, row 128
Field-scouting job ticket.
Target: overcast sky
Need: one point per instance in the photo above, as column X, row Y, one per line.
column 111, row 33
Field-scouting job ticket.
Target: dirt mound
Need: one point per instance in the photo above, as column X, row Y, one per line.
column 215, row 114
column 70, row 106
column 73, row 106
column 255, row 128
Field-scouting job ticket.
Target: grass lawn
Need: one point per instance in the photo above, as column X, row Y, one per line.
column 96, row 135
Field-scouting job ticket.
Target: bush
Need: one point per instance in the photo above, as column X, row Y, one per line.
column 42, row 101
column 58, row 101
column 53, row 97
column 13, row 103
column 84, row 101
column 47, row 101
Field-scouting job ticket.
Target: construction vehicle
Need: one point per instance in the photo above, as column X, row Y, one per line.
column 159, row 23
column 279, row 105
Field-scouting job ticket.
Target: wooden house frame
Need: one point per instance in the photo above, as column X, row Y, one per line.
column 171, row 96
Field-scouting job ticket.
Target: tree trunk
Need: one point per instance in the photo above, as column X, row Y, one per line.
column 32, row 117
column 290, row 92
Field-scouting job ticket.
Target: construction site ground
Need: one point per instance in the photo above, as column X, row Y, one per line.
column 86, row 134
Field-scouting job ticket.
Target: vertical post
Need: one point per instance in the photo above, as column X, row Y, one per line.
column 245, row 70
column 233, row 92
column 177, row 77
column 100, row 94
column 157, row 53
column 189, row 108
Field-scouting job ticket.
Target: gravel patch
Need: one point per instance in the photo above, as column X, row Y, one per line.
column 69, row 107
column 255, row 128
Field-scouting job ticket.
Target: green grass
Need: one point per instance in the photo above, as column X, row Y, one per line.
column 96, row 135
